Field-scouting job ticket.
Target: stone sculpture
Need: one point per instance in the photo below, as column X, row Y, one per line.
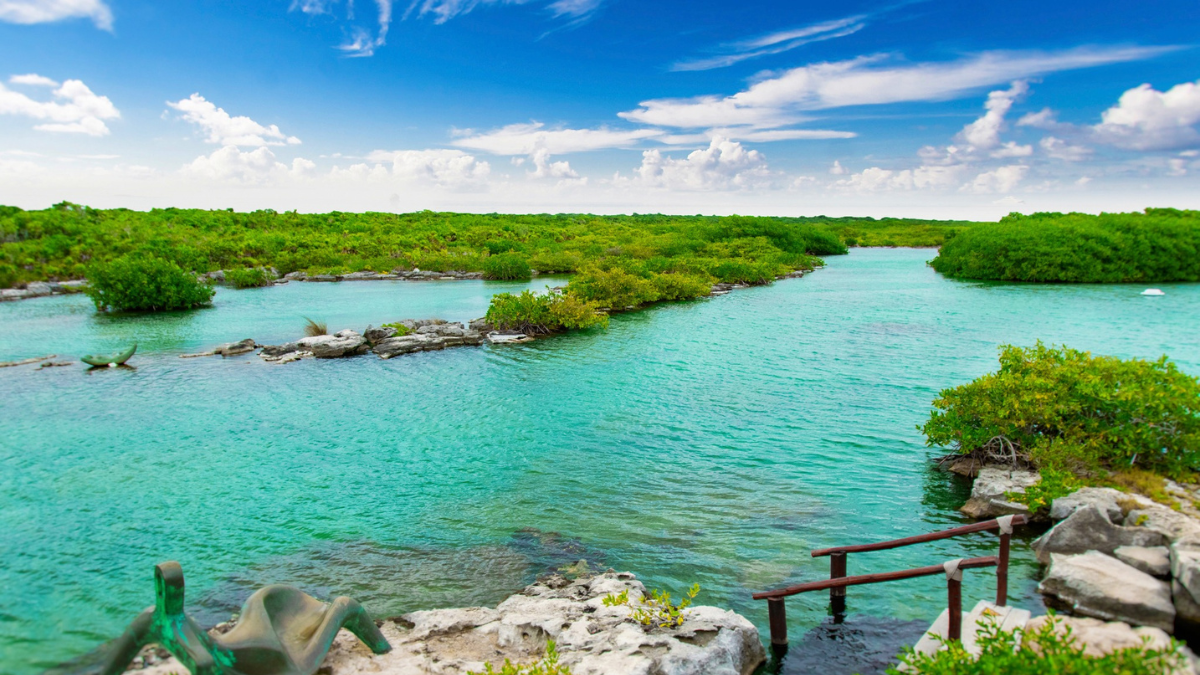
column 281, row 631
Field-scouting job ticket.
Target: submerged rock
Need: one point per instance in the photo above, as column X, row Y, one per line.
column 992, row 485
column 1094, row 584
column 1089, row 529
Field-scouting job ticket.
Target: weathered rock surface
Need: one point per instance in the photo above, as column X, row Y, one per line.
column 377, row 335
column 1099, row 638
column 1097, row 585
column 1089, row 529
column 988, row 498
column 40, row 289
column 1186, row 607
column 1185, row 566
column 1153, row 560
column 340, row 344
column 592, row 639
column 1174, row 525
column 234, row 348
column 1106, row 499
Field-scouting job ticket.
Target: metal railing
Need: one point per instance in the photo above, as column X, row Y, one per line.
column 838, row 581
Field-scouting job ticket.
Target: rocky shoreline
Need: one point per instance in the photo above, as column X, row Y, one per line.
column 591, row 638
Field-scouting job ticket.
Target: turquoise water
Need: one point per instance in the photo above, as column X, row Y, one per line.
column 716, row 441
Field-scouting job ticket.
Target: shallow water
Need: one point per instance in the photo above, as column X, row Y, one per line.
column 716, row 441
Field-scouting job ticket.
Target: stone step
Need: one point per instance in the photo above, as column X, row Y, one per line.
column 1010, row 618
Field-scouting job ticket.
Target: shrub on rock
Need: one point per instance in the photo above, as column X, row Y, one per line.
column 145, row 284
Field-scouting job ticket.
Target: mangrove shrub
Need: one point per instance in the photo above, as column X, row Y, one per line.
column 1158, row 245
column 145, row 284
column 1064, row 410
column 248, row 277
column 506, row 266
column 543, row 313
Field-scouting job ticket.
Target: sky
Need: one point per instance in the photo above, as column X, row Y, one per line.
column 934, row 108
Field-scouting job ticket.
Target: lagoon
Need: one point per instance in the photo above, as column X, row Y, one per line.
column 715, row 441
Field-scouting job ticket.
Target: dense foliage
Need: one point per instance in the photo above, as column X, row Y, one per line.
column 506, row 266
column 1158, row 245
column 542, row 313
column 145, row 284
column 1074, row 415
column 1050, row 649
column 248, row 277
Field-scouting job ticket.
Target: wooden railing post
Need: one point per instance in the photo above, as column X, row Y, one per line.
column 777, row 618
column 837, row 595
column 954, row 607
column 1002, row 571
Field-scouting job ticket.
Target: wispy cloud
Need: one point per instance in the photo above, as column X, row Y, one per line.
column 527, row 139
column 363, row 44
column 442, row 11
column 46, row 11
column 780, row 99
column 774, row 43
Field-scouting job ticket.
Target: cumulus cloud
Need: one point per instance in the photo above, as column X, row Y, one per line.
column 560, row 171
column 225, row 129
column 46, row 11
column 1057, row 148
column 778, row 100
column 837, row 169
column 984, row 133
column 452, row 169
column 1147, row 119
column 526, row 139
column 877, row 179
column 254, row 166
column 774, row 43
column 76, row 109
column 1000, row 180
column 1043, row 119
column 723, row 165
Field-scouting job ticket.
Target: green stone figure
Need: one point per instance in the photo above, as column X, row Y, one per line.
column 281, row 631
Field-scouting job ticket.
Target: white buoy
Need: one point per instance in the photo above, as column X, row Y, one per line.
column 1152, row 291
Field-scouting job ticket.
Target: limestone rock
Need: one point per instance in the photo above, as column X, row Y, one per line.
column 1099, row 638
column 234, row 348
column 341, row 344
column 1185, row 566
column 592, row 639
column 1186, row 607
column 37, row 289
column 1106, row 499
column 377, row 335
column 1094, row 584
column 1174, row 525
column 1089, row 529
column 988, row 498
column 1153, row 560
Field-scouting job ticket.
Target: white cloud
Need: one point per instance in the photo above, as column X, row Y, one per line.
column 312, row 6
column 444, row 168
column 526, row 139
column 1146, row 119
column 837, row 169
column 1043, row 119
column 225, row 129
column 46, row 11
column 78, row 110
column 774, row 43
column 984, row 133
column 575, row 9
column 363, row 43
column 444, row 10
column 1060, row 149
column 723, row 165
column 32, row 80
column 1012, row 149
column 1000, row 180
column 561, row 171
column 876, row 179
column 776, row 100
column 254, row 166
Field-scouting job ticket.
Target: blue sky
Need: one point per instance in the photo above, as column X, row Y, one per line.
column 934, row 108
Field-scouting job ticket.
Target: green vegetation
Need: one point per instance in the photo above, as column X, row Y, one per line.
column 248, row 277
column 1051, row 649
column 543, row 313
column 506, row 266
column 145, row 284
column 548, row 665
column 401, row 329
column 1158, row 245
column 314, row 328
column 896, row 231
column 1079, row 419
column 657, row 610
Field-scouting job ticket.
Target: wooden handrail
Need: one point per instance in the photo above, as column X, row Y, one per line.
column 920, row 538
column 969, row 563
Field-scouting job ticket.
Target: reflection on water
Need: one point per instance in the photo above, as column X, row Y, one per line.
column 717, row 441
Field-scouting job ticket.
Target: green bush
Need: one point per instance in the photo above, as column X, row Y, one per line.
column 248, row 277
column 1050, row 649
column 539, row 314
column 145, row 284
column 656, row 610
column 401, row 329
column 613, row 288
column 8, row 276
column 1158, row 245
column 680, row 286
column 1066, row 410
column 506, row 266
column 547, row 665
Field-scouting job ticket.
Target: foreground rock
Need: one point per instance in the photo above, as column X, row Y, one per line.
column 592, row 639
column 1099, row 638
column 992, row 485
column 1097, row 585
column 426, row 335
column 1089, row 529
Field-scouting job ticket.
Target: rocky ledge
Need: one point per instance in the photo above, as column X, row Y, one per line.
column 40, row 289
column 592, row 639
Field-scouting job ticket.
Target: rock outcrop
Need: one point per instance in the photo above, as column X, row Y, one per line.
column 1097, row 585
column 1089, row 529
column 1153, row 560
column 591, row 639
column 427, row 335
column 992, row 485
column 1099, row 638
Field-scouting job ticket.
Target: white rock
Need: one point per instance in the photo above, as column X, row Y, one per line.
column 1094, row 584
column 988, row 494
column 1107, row 499
column 1153, row 560
column 1089, row 529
